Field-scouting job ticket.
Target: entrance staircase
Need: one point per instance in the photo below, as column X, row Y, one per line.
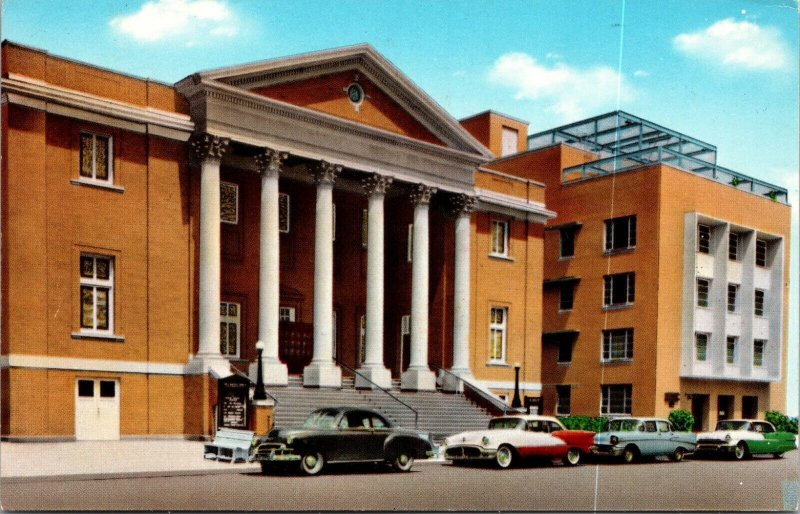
column 440, row 414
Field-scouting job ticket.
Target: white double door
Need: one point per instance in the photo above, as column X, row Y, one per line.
column 96, row 409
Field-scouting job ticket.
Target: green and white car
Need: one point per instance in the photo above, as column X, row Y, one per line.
column 743, row 438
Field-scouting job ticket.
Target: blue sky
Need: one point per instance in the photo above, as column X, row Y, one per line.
column 725, row 72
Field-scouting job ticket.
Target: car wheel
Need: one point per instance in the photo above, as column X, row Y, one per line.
column 740, row 452
column 678, row 454
column 312, row 463
column 630, row 454
column 504, row 457
column 573, row 457
column 403, row 461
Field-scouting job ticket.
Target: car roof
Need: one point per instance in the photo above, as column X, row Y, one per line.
column 529, row 417
column 347, row 408
column 639, row 418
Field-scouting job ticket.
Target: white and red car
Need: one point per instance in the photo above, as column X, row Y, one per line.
column 517, row 437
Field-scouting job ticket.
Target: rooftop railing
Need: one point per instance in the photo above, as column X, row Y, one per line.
column 650, row 156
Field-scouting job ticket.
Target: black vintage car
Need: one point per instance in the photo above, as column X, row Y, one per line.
column 341, row 435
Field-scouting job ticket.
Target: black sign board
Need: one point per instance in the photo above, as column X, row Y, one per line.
column 233, row 402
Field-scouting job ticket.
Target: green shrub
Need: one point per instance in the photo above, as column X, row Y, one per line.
column 585, row 423
column 682, row 420
column 781, row 422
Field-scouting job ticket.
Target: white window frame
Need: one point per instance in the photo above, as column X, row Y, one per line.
column 703, row 245
column 498, row 238
column 609, row 344
column 707, row 286
column 110, row 157
column 610, row 236
column 608, row 290
column 731, row 340
column 502, row 329
column 95, row 283
column 287, row 314
column 559, row 398
column 733, row 246
column 733, row 289
column 232, row 320
column 284, row 200
column 235, row 188
column 761, row 243
column 758, row 356
column 705, row 337
column 606, row 393
column 756, row 306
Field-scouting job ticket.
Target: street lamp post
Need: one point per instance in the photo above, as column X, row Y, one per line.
column 516, row 403
column 260, row 393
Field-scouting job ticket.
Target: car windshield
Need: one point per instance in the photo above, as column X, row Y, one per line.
column 732, row 425
column 498, row 424
column 324, row 419
column 623, row 425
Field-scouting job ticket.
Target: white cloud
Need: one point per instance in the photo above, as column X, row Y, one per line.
column 553, row 56
column 570, row 92
column 742, row 45
column 641, row 73
column 190, row 20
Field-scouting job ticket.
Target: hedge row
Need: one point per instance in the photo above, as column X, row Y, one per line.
column 781, row 422
column 681, row 419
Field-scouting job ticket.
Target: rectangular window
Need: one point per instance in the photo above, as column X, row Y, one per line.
column 733, row 297
column 498, row 324
column 701, row 346
column 287, row 314
column 362, row 339
column 618, row 289
column 566, row 297
column 334, row 336
column 97, row 293
column 283, row 213
column 364, row 228
column 565, row 351
column 758, row 352
column 333, row 222
column 410, row 243
column 730, row 349
column 563, row 397
column 620, row 233
column 97, row 158
column 759, row 302
column 567, row 242
column 510, row 139
column 229, row 203
column 733, row 246
column 703, row 238
column 703, row 287
column 761, row 253
column 229, row 328
column 616, row 399
column 617, row 344
column 499, row 235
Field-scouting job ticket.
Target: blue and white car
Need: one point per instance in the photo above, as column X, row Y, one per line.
column 633, row 438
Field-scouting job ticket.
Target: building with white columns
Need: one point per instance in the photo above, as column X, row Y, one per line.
column 322, row 204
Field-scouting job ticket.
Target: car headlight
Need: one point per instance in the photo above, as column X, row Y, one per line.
column 485, row 441
column 444, row 443
column 614, row 439
column 728, row 438
column 289, row 440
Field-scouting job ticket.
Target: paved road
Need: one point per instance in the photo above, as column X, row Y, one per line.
column 757, row 484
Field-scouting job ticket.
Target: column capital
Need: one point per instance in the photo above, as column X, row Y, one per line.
column 462, row 204
column 207, row 146
column 376, row 184
column 421, row 194
column 269, row 160
column 325, row 172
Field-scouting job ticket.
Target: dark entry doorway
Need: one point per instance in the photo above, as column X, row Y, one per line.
column 724, row 407
column 750, row 407
column 699, row 411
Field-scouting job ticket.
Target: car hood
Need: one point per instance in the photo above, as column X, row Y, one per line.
column 476, row 437
column 735, row 435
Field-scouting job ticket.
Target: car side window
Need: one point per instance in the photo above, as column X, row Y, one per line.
column 663, row 426
column 553, row 426
column 650, row 426
column 536, row 426
column 343, row 423
column 378, row 422
column 766, row 428
column 359, row 420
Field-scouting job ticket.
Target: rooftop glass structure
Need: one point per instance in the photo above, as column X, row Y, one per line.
column 624, row 142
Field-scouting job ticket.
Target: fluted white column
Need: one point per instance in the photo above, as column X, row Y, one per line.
column 269, row 164
column 373, row 367
column 323, row 371
column 418, row 376
column 462, row 207
column 209, row 151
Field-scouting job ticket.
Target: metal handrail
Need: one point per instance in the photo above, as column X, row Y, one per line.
column 480, row 392
column 242, row 374
column 412, row 409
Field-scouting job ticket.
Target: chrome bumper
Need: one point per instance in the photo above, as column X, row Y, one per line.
column 606, row 450
column 469, row 452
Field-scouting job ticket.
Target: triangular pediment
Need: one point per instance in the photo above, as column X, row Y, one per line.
column 321, row 82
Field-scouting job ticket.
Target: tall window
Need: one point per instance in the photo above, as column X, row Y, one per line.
column 618, row 289
column 229, row 328
column 703, row 238
column 701, row 346
column 730, row 349
column 287, row 314
column 97, row 293
column 510, row 138
column 733, row 297
column 620, row 233
column 499, row 236
column 96, row 158
column 563, row 397
column 703, row 286
column 283, row 213
column 566, row 297
column 759, row 302
column 567, row 242
column 758, row 352
column 761, row 253
column 498, row 325
column 410, row 243
column 733, row 246
column 617, row 344
column 364, row 228
column 616, row 399
column 565, row 351
column 362, row 339
column 229, row 203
